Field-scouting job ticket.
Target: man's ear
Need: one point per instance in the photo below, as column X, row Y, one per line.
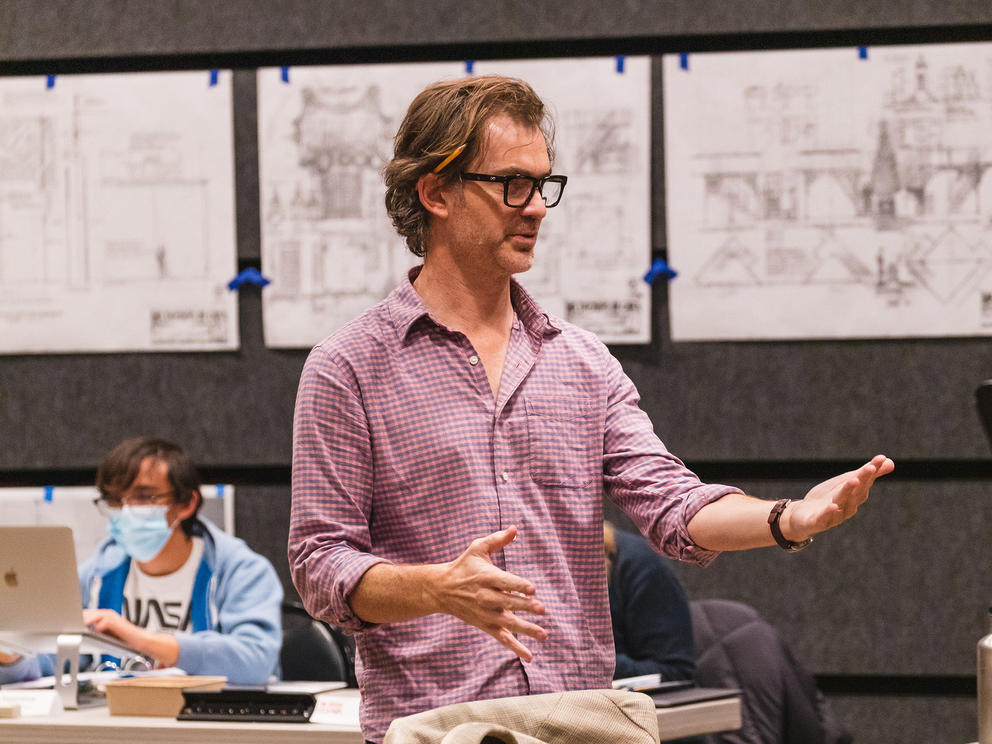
column 189, row 508
column 432, row 194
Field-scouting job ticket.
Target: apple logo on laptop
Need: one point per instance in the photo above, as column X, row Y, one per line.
column 10, row 578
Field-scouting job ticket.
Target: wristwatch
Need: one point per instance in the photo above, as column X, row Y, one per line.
column 773, row 517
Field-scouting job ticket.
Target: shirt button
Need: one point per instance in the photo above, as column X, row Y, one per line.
column 473, row 360
column 505, row 476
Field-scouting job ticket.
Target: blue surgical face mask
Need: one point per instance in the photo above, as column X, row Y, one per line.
column 141, row 530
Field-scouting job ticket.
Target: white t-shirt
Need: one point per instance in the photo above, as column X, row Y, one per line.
column 162, row 603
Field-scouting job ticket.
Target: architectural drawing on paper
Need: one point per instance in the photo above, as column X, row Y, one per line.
column 327, row 247
column 317, row 220
column 116, row 214
column 331, row 251
column 879, row 225
column 610, row 154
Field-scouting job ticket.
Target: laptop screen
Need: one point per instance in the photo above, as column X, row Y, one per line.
column 40, row 597
column 39, row 587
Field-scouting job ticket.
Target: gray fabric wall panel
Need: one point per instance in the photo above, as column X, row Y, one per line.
column 908, row 720
column 262, row 520
column 62, row 29
column 909, row 398
column 707, row 404
column 901, row 589
column 227, row 409
column 249, row 228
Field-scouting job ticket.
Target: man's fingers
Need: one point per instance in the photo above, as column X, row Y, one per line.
column 883, row 465
column 529, row 629
column 857, row 484
column 874, row 469
column 507, row 639
column 504, row 608
column 504, row 633
column 511, row 584
column 495, row 542
column 853, row 492
column 509, row 601
column 501, row 580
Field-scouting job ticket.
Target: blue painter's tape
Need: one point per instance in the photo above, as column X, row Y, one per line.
column 659, row 268
column 220, row 490
column 863, row 52
column 620, row 63
column 248, row 276
column 49, row 81
column 214, row 74
column 49, row 493
column 469, row 66
column 284, row 74
column 684, row 61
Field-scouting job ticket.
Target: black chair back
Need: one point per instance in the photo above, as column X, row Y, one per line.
column 313, row 650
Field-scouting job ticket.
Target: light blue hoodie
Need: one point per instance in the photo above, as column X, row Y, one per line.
column 235, row 612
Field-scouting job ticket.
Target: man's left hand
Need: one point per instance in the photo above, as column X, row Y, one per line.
column 833, row 501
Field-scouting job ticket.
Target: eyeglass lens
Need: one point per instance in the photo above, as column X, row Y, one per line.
column 137, row 497
column 519, row 191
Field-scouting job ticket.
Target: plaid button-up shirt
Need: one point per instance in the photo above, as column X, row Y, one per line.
column 401, row 453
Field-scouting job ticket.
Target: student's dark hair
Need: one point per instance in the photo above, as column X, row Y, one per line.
column 120, row 467
column 442, row 118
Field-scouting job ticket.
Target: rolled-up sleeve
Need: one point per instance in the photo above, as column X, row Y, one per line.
column 650, row 484
column 329, row 539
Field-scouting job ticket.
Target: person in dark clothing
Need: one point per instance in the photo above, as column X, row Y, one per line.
column 718, row 643
column 652, row 628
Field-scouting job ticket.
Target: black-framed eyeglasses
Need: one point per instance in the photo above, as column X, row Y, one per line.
column 108, row 504
column 518, row 189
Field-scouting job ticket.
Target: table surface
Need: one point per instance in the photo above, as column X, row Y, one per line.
column 97, row 725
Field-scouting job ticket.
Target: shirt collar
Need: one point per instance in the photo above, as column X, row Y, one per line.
column 406, row 308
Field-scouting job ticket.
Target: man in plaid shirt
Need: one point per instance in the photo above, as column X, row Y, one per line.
column 452, row 445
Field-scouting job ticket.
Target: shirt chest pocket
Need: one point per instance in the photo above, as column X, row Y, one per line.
column 565, row 448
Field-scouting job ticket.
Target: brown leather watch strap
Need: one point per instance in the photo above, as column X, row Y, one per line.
column 773, row 517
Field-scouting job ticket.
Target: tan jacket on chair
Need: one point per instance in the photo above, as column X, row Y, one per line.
column 584, row 717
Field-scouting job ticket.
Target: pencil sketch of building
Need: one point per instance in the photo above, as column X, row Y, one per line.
column 326, row 241
column 604, row 152
column 27, row 207
column 340, row 135
column 116, row 213
column 325, row 134
column 891, row 207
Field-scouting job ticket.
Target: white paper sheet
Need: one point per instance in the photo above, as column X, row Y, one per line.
column 117, row 213
column 331, row 252
column 830, row 194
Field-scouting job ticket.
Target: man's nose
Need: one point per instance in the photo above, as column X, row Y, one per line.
column 535, row 207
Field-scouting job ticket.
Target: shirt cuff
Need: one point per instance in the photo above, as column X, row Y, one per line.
column 702, row 496
column 342, row 614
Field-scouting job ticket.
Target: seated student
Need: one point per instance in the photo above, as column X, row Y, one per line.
column 169, row 583
column 652, row 628
column 653, row 634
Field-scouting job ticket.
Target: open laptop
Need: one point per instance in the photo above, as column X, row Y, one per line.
column 39, row 593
